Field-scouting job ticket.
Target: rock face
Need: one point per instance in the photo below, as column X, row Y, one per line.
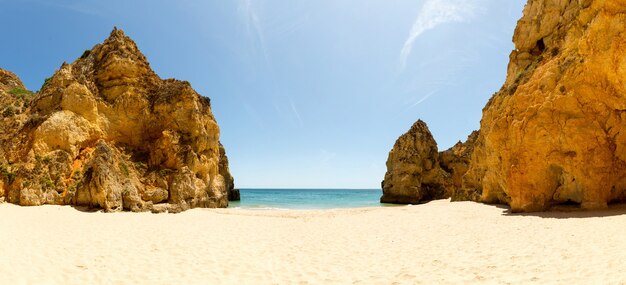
column 555, row 133
column 13, row 100
column 107, row 132
column 456, row 161
column 413, row 171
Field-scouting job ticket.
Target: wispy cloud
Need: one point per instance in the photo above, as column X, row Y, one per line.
column 253, row 24
column 419, row 101
column 77, row 7
column 434, row 13
column 295, row 111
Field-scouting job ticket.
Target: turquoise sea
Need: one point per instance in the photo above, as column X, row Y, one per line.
column 308, row 198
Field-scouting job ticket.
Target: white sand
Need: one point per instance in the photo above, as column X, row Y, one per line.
column 440, row 242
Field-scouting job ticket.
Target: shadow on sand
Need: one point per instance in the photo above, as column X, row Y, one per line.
column 86, row 209
column 571, row 212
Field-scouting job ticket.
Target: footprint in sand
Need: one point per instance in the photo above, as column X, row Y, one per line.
column 82, row 267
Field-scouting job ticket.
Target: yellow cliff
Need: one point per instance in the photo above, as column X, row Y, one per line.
column 107, row 132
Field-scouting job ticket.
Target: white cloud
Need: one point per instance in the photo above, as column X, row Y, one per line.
column 253, row 24
column 295, row 111
column 434, row 13
column 417, row 103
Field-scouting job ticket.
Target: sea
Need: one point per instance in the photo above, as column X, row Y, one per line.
column 306, row 199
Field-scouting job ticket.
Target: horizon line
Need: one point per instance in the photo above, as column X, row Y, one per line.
column 304, row 188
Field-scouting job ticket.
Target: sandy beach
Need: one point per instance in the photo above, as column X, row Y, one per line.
column 434, row 243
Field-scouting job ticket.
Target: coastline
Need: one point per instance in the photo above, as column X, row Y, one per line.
column 306, row 199
column 437, row 242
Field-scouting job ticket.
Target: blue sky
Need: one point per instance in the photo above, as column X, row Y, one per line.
column 308, row 93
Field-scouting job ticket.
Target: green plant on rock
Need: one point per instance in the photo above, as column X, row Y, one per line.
column 77, row 175
column 165, row 172
column 46, row 182
column 8, row 111
column 140, row 165
column 11, row 177
column 45, row 82
column 85, row 54
column 20, row 93
column 7, row 175
column 124, row 169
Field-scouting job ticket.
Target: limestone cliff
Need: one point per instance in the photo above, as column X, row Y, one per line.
column 107, row 132
column 554, row 133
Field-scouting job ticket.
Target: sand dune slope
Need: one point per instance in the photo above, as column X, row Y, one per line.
column 439, row 242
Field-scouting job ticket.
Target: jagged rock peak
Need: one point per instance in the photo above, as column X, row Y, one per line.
column 413, row 172
column 8, row 80
column 118, row 42
column 106, row 132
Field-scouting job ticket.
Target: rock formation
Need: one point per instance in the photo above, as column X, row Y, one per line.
column 14, row 99
column 107, row 132
column 413, row 171
column 417, row 172
column 456, row 161
column 553, row 133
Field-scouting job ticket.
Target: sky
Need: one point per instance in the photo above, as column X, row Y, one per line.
column 307, row 93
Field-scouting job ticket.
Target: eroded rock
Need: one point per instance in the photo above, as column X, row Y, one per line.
column 413, row 172
column 555, row 132
column 456, row 161
column 107, row 132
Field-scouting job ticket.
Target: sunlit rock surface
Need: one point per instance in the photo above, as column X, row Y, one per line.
column 107, row 132
column 553, row 134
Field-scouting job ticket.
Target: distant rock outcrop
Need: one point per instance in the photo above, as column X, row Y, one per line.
column 555, row 133
column 107, row 132
column 417, row 172
column 413, row 171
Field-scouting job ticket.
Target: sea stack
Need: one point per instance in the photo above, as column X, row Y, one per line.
column 553, row 133
column 106, row 132
column 413, row 171
column 417, row 172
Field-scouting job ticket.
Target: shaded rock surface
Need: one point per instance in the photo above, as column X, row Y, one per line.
column 456, row 161
column 107, row 132
column 413, row 171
